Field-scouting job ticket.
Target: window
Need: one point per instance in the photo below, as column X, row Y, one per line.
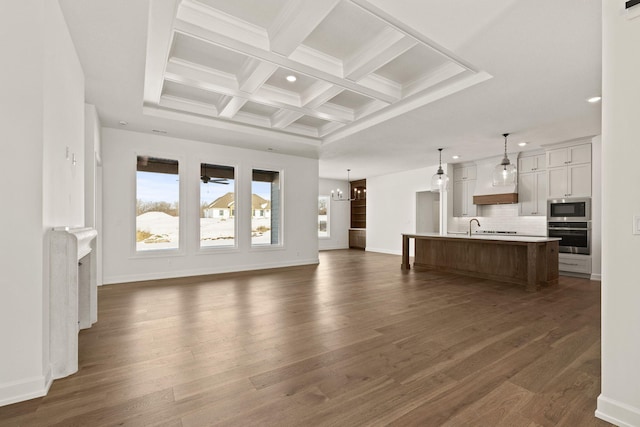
column 217, row 205
column 323, row 216
column 157, row 204
column 265, row 207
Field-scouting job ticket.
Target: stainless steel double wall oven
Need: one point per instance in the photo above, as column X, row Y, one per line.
column 570, row 220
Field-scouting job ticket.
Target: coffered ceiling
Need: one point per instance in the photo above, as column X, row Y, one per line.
column 226, row 64
column 381, row 84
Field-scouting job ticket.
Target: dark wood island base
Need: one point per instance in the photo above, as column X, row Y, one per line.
column 532, row 262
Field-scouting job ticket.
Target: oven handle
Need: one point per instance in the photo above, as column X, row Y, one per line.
column 567, row 228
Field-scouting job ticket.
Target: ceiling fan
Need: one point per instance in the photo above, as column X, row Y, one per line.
column 207, row 179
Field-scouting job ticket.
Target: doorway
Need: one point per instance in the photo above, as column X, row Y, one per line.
column 427, row 212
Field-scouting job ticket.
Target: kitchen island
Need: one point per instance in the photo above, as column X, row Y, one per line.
column 523, row 260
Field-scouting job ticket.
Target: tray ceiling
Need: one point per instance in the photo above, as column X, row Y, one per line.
column 225, row 64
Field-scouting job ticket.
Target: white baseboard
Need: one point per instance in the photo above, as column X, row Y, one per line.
column 596, row 277
column 617, row 413
column 384, row 251
column 29, row 388
column 108, row 280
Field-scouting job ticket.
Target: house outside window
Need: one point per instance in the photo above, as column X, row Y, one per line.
column 217, row 205
column 157, row 204
column 266, row 207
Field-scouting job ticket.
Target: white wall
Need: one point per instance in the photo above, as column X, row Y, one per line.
column 41, row 113
column 93, row 180
column 339, row 216
column 122, row 264
column 596, row 208
column 619, row 401
column 391, row 207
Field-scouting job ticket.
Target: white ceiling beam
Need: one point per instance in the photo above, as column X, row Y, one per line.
column 384, row 48
column 207, row 17
column 295, row 22
column 369, row 108
column 283, row 118
column 254, row 73
column 375, row 82
column 253, row 119
column 279, row 95
column 231, row 106
column 377, row 91
column 159, row 41
column 439, row 75
column 183, row 72
column 319, row 93
column 328, row 128
column 183, row 104
column 283, row 136
column 210, row 79
column 397, row 24
column 303, row 129
column 317, row 60
column 334, row 110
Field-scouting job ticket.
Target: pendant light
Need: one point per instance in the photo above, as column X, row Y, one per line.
column 440, row 180
column 505, row 173
column 357, row 194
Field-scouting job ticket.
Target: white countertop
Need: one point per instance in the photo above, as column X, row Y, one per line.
column 500, row 237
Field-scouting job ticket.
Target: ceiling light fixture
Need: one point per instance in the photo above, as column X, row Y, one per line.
column 455, row 157
column 505, row 173
column 291, row 78
column 440, row 180
column 522, row 144
column 357, row 194
column 594, row 99
column 123, row 122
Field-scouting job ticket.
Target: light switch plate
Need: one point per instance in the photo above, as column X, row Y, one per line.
column 636, row 224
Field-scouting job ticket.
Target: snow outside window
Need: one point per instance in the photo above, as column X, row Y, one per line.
column 157, row 204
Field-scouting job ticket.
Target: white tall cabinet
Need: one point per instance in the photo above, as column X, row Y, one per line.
column 569, row 171
column 464, row 184
column 532, row 185
column 569, row 175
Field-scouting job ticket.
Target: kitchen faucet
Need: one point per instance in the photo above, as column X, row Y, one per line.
column 470, row 221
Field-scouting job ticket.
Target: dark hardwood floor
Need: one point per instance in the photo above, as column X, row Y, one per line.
column 352, row 341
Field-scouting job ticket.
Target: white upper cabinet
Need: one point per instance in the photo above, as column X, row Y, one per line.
column 463, row 198
column 531, row 163
column 463, row 173
column 578, row 154
column 569, row 171
column 464, row 184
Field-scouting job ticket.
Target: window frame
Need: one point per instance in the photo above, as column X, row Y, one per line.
column 281, row 206
column 328, row 204
column 181, row 250
column 208, row 250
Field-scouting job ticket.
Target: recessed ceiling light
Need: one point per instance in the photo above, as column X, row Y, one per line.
column 455, row 157
column 123, row 123
column 291, row 78
column 594, row 99
column 522, row 144
column 159, row 131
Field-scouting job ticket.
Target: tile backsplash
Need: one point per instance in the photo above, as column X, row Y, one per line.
column 502, row 218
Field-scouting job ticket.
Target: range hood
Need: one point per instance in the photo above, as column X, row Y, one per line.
column 485, row 193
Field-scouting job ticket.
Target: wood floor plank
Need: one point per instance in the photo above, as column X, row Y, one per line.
column 353, row 341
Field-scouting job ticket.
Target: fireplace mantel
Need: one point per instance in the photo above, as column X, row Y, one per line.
column 73, row 294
